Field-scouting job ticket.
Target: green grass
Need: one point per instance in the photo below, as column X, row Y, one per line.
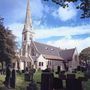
column 2, row 78
column 37, row 76
column 20, row 83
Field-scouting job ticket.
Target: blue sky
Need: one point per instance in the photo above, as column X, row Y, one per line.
column 51, row 23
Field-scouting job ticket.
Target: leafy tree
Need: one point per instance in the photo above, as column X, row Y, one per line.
column 84, row 6
column 85, row 56
column 7, row 44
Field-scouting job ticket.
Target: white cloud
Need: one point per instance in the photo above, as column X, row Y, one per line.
column 71, row 43
column 65, row 14
column 43, row 33
column 62, row 31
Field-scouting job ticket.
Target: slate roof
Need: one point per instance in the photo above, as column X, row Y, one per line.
column 52, row 57
column 51, row 52
column 67, row 54
column 47, row 49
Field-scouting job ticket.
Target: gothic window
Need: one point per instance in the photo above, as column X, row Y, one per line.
column 76, row 57
column 40, row 63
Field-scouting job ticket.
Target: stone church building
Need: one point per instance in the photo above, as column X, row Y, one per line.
column 41, row 55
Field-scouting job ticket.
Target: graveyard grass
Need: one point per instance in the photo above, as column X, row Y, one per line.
column 21, row 84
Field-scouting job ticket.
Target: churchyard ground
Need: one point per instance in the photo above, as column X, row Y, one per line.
column 21, row 83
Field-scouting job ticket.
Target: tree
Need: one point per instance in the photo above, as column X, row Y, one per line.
column 7, row 44
column 84, row 6
column 85, row 56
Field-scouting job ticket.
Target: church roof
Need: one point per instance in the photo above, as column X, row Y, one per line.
column 47, row 49
column 67, row 54
column 54, row 53
column 52, row 57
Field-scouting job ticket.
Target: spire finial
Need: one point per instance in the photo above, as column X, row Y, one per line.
column 28, row 21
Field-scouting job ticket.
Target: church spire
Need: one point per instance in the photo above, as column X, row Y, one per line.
column 28, row 21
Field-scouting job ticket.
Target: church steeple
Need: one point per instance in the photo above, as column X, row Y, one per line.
column 28, row 21
column 27, row 34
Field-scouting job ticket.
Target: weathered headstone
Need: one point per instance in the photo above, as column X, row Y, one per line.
column 47, row 80
column 70, row 82
column 57, row 84
column 8, row 76
column 62, row 76
column 79, row 84
column 87, row 73
column 32, row 86
column 27, row 77
column 31, row 73
column 13, row 79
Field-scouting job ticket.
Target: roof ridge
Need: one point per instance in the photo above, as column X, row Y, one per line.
column 68, row 49
column 47, row 45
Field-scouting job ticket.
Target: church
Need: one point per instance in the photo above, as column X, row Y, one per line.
column 40, row 56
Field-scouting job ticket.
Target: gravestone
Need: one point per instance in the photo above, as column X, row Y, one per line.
column 62, row 76
column 31, row 73
column 8, row 76
column 32, row 86
column 79, row 84
column 57, row 84
column 46, row 80
column 72, row 83
column 27, row 77
column 87, row 73
column 13, row 79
